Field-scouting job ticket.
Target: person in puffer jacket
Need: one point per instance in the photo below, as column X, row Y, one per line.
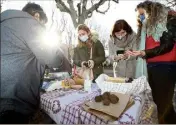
column 24, row 56
column 158, row 49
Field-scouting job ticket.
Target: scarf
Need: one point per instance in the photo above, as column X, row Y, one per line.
column 124, row 41
column 141, row 65
column 156, row 32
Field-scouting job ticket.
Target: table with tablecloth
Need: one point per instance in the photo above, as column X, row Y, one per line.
column 65, row 107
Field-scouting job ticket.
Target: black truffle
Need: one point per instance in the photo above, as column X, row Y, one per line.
column 98, row 98
column 113, row 99
column 106, row 102
column 129, row 80
column 106, row 95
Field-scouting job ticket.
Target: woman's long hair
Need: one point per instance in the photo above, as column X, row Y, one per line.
column 156, row 13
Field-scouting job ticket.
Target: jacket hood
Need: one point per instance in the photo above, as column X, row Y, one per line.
column 10, row 14
column 95, row 36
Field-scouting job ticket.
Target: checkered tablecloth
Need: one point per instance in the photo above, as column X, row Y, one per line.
column 55, row 102
column 67, row 109
column 76, row 115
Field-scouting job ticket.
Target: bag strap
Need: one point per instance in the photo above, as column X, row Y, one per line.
column 91, row 53
column 74, row 70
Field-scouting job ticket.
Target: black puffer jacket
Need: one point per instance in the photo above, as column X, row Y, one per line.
column 167, row 40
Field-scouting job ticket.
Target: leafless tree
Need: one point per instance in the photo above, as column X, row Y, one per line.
column 60, row 24
column 171, row 3
column 80, row 14
column 52, row 18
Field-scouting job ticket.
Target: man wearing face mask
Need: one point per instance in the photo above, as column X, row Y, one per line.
column 24, row 55
column 122, row 39
column 89, row 51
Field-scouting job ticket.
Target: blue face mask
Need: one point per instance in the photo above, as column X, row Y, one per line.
column 142, row 17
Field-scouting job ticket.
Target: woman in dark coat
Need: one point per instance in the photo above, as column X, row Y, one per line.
column 86, row 41
column 160, row 55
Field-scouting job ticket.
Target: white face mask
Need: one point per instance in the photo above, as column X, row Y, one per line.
column 120, row 37
column 84, row 38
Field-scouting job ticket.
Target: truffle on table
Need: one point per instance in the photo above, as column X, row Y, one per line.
column 98, row 98
column 106, row 102
column 113, row 99
column 106, row 95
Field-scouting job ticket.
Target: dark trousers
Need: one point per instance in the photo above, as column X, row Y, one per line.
column 12, row 117
column 162, row 78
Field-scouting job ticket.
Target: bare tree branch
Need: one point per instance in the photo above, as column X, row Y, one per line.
column 103, row 12
column 63, row 24
column 63, row 8
column 116, row 1
column 92, row 2
column 61, row 5
column 71, row 5
column 89, row 15
column 171, row 3
column 84, row 5
column 96, row 6
column 82, row 13
column 79, row 9
column 52, row 18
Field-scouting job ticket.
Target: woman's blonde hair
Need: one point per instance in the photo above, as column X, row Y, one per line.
column 85, row 28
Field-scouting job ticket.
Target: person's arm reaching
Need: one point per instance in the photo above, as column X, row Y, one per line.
column 167, row 41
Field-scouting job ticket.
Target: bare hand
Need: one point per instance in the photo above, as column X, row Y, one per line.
column 128, row 53
column 83, row 64
column 121, row 57
column 138, row 53
column 91, row 64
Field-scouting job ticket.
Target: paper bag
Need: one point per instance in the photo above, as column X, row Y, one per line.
column 85, row 73
column 114, row 110
column 105, row 116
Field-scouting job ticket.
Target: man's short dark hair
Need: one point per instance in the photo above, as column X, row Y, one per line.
column 33, row 8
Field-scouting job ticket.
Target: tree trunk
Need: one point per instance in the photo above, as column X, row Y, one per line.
column 74, row 18
column 81, row 19
column 82, row 13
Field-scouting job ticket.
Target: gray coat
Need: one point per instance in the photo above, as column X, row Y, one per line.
column 125, row 68
column 23, row 59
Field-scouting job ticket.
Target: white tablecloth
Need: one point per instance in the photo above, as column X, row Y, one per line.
column 67, row 110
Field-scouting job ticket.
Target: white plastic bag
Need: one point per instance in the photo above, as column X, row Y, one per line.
column 136, row 87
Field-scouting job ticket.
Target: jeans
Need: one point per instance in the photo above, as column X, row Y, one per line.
column 162, row 79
